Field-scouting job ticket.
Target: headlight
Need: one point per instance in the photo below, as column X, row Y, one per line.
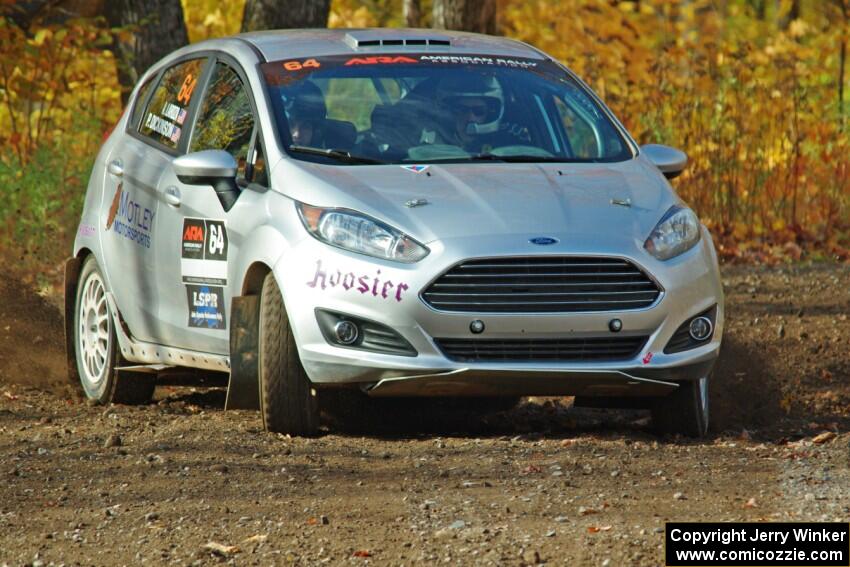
column 678, row 231
column 359, row 233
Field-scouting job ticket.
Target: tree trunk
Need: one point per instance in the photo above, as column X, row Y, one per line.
column 412, row 12
column 157, row 28
column 285, row 14
column 842, row 61
column 467, row 15
column 793, row 14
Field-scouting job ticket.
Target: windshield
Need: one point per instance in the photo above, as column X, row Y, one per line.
column 424, row 108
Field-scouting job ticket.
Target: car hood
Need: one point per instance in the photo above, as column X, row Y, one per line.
column 479, row 199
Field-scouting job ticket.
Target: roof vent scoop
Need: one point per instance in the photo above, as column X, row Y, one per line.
column 362, row 40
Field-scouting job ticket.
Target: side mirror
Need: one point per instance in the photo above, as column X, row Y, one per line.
column 210, row 167
column 204, row 165
column 669, row 160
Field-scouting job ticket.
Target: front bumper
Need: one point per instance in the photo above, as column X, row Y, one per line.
column 313, row 275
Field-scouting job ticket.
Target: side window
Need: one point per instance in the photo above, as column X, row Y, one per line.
column 351, row 100
column 579, row 132
column 225, row 121
column 166, row 112
column 139, row 103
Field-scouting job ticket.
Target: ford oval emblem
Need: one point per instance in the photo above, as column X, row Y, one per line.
column 543, row 240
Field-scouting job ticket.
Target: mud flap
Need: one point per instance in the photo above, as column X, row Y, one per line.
column 243, row 390
column 72, row 276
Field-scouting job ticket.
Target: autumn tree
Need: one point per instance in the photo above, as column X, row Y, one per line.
column 153, row 29
column 467, row 15
column 285, row 14
column 412, row 13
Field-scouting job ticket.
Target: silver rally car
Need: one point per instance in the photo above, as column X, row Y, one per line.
column 388, row 213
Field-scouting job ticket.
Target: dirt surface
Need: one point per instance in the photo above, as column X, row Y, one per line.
column 180, row 481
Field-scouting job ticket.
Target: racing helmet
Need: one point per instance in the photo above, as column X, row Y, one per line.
column 305, row 102
column 456, row 91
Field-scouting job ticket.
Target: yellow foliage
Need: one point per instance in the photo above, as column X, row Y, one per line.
column 206, row 19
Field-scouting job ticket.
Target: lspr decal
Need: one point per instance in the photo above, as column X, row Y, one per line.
column 365, row 284
column 206, row 306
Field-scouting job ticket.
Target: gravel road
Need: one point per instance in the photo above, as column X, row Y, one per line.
column 182, row 482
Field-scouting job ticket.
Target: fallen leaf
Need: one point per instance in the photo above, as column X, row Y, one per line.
column 255, row 538
column 361, row 553
column 824, row 437
column 586, row 511
column 751, row 503
column 312, row 521
column 221, row 549
column 596, row 529
column 531, row 469
column 10, row 396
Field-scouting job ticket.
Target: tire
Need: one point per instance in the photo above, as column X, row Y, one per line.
column 96, row 346
column 287, row 400
column 685, row 411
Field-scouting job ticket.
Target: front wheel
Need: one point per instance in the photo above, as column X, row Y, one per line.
column 685, row 411
column 287, row 399
column 96, row 347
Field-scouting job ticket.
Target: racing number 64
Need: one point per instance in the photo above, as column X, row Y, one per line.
column 298, row 65
column 216, row 245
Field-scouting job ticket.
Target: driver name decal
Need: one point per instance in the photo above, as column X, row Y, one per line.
column 206, row 307
column 355, row 282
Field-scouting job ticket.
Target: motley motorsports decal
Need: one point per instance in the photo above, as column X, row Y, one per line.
column 203, row 255
column 357, row 282
column 130, row 218
column 206, row 306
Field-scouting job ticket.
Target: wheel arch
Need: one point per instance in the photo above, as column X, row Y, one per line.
column 73, row 265
column 252, row 282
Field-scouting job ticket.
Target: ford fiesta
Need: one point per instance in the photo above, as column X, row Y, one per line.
column 388, row 213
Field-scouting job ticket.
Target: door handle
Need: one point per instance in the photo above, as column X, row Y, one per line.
column 116, row 167
column 172, row 196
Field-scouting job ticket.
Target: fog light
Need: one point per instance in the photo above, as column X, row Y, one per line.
column 700, row 328
column 346, row 332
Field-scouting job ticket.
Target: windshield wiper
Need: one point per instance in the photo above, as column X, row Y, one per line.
column 339, row 155
column 519, row 158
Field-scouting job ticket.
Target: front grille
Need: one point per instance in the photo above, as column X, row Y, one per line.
column 560, row 284
column 541, row 350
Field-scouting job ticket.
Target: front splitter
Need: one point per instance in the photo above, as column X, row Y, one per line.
column 472, row 382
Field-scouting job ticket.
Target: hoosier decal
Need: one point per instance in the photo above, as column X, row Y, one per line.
column 362, row 283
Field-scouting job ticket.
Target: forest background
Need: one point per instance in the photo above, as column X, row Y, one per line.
column 752, row 90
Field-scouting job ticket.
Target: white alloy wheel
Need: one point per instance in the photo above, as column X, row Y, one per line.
column 94, row 335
